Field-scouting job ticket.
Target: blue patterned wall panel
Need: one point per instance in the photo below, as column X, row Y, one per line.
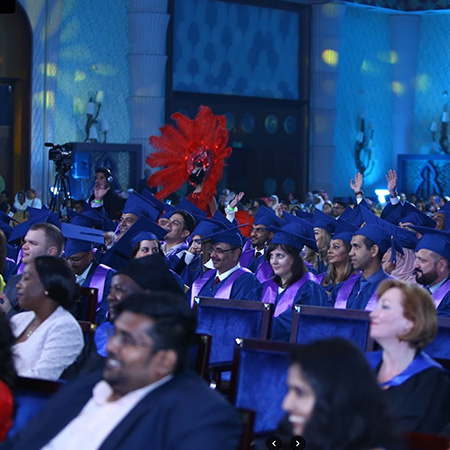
column 364, row 86
column 226, row 48
column 433, row 67
column 93, row 56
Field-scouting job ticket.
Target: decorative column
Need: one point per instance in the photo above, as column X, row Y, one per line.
column 148, row 21
column 325, row 46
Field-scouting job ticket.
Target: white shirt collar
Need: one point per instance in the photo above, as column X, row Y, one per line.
column 228, row 272
column 81, row 278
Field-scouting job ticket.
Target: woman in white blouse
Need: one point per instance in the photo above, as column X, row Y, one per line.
column 48, row 338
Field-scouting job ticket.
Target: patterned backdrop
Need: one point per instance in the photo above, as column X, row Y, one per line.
column 225, row 48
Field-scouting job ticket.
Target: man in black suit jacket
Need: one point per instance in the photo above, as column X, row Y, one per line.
column 145, row 398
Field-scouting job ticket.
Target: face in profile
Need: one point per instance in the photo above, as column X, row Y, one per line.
column 299, row 401
column 387, row 320
column 425, row 267
column 337, row 253
column 30, row 290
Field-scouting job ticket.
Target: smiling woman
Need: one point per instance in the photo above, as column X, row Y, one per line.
column 333, row 400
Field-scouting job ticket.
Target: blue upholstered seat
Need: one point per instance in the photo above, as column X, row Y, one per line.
column 258, row 381
column 316, row 322
column 226, row 320
column 440, row 347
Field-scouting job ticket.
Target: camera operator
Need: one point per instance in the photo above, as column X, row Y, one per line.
column 105, row 197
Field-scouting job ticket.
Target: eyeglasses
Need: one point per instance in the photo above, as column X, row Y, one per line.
column 71, row 259
column 125, row 339
column 220, row 251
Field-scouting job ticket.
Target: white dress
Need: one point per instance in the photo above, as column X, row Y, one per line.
column 53, row 346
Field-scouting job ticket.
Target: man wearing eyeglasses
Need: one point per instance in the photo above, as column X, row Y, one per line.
column 79, row 253
column 145, row 398
column 228, row 280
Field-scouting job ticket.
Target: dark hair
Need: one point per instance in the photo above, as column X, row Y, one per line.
column 7, row 370
column 57, row 278
column 105, row 171
column 53, row 235
column 368, row 243
column 189, row 221
column 6, row 193
column 174, row 322
column 138, row 246
column 298, row 267
column 350, row 411
column 331, row 276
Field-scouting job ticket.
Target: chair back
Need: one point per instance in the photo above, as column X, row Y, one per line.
column 258, row 380
column 226, row 320
column 439, row 348
column 311, row 323
column 30, row 396
column 200, row 353
column 85, row 306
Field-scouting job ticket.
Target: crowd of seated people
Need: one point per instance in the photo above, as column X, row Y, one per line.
column 137, row 252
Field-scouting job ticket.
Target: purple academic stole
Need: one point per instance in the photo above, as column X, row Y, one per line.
column 341, row 298
column 246, row 257
column 264, row 272
column 440, row 293
column 321, row 276
column 225, row 287
column 420, row 363
column 270, row 292
column 98, row 281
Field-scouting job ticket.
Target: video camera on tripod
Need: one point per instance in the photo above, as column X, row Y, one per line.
column 61, row 155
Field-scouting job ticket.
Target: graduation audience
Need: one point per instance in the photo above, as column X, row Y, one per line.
column 355, row 257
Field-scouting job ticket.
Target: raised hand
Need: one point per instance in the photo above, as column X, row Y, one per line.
column 391, row 179
column 356, row 184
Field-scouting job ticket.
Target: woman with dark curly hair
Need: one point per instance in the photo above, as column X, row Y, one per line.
column 7, row 375
column 48, row 338
column 333, row 399
column 416, row 386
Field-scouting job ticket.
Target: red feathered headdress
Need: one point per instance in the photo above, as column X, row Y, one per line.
column 193, row 146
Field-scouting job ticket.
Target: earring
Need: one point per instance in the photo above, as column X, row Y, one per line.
column 46, row 293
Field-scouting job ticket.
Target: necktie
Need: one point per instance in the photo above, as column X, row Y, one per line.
column 216, row 281
column 258, row 254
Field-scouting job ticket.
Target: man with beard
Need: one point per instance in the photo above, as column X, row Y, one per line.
column 432, row 267
column 145, row 397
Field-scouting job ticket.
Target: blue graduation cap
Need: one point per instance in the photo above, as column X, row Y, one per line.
column 220, row 218
column 308, row 229
column 435, row 240
column 293, row 234
column 142, row 229
column 348, row 214
column 168, row 211
column 80, row 239
column 322, row 220
column 188, row 206
column 231, row 236
column 304, row 215
column 206, row 227
column 409, row 213
column 157, row 204
column 46, row 216
column 265, row 216
column 137, row 205
column 377, row 235
column 86, row 219
column 344, row 230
